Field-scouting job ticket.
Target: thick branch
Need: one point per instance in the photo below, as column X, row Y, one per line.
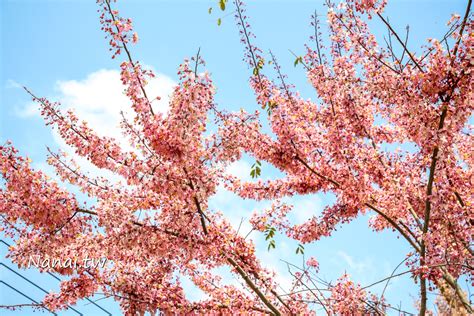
column 463, row 24
column 232, row 262
column 429, row 191
column 253, row 286
column 452, row 282
column 387, row 218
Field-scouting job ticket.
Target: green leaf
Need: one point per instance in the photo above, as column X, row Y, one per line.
column 269, row 232
column 222, row 4
column 270, row 235
column 210, row 10
column 256, row 171
column 255, row 71
column 300, row 249
column 271, row 245
column 269, row 110
column 270, row 106
column 298, row 60
column 219, row 21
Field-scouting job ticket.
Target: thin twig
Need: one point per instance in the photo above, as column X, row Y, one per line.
column 401, row 42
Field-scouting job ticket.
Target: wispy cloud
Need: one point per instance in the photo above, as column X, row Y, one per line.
column 241, row 169
column 365, row 269
column 98, row 99
column 12, row 84
column 305, row 207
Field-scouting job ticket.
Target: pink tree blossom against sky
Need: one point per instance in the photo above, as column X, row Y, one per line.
column 289, row 180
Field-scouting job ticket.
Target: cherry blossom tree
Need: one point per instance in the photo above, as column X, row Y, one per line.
column 369, row 97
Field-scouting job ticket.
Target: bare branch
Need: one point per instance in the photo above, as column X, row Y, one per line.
column 401, row 42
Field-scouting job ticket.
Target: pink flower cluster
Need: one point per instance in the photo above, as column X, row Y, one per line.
column 156, row 224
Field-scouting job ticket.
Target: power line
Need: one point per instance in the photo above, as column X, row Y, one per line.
column 21, row 293
column 54, row 276
column 36, row 285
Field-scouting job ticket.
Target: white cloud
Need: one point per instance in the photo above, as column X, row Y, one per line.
column 12, row 84
column 99, row 99
column 29, row 110
column 193, row 293
column 363, row 269
column 240, row 169
column 272, row 260
column 236, row 210
column 351, row 263
column 305, row 207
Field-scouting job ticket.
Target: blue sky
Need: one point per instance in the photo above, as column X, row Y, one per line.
column 57, row 49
